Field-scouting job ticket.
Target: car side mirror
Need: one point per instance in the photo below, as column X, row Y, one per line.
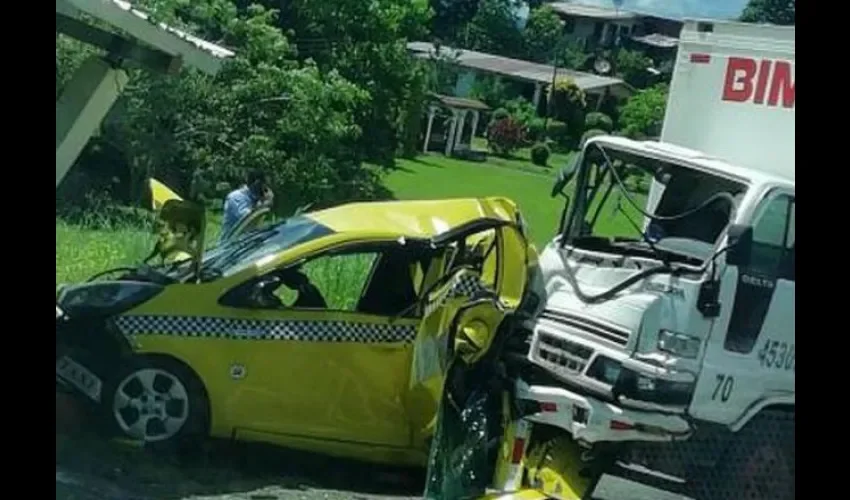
column 740, row 245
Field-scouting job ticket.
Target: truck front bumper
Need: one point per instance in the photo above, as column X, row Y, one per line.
column 590, row 420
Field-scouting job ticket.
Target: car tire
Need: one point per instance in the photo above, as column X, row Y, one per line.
column 158, row 402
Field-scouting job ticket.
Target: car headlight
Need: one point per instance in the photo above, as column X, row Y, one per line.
column 679, row 344
column 105, row 298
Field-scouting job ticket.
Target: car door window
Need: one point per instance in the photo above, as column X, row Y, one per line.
column 332, row 282
column 340, row 279
column 395, row 283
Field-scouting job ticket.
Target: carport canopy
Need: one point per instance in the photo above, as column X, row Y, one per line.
column 134, row 40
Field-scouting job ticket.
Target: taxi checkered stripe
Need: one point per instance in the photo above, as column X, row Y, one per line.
column 297, row 330
column 464, row 285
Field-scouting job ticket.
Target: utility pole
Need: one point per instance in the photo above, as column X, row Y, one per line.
column 555, row 53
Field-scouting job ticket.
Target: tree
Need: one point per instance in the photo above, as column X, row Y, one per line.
column 366, row 43
column 781, row 12
column 568, row 104
column 265, row 110
column 494, row 29
column 632, row 66
column 572, row 56
column 542, row 34
column 451, row 16
column 643, row 114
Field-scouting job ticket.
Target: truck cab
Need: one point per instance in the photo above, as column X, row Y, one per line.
column 691, row 314
column 668, row 293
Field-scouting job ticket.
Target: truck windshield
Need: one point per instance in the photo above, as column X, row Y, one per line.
column 690, row 208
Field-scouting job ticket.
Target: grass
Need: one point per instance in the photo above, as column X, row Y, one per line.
column 435, row 176
column 82, row 251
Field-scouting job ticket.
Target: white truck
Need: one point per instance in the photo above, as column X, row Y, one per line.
column 666, row 316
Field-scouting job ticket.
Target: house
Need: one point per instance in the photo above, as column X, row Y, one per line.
column 536, row 77
column 596, row 27
column 604, row 28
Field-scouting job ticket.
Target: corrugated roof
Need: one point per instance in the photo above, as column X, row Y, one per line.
column 514, row 68
column 120, row 14
column 460, row 102
column 572, row 9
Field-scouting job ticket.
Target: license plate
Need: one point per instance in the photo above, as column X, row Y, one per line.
column 80, row 377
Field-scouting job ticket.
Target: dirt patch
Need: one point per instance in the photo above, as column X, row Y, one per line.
column 90, row 467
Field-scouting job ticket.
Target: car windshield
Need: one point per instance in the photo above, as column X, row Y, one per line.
column 691, row 208
column 237, row 254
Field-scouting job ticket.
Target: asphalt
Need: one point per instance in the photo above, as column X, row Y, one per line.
column 88, row 468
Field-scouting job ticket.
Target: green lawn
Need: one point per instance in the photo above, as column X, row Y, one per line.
column 435, row 176
column 82, row 251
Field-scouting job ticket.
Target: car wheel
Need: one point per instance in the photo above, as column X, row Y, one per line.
column 156, row 401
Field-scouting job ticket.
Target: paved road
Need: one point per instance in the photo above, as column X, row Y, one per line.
column 90, row 469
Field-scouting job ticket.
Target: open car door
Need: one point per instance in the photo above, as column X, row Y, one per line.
column 478, row 279
column 160, row 193
column 181, row 225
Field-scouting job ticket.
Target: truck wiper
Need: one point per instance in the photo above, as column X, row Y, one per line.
column 660, row 255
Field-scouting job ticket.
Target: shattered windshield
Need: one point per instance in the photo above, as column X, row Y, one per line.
column 237, row 254
column 626, row 199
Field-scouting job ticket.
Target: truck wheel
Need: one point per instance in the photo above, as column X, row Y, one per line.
column 157, row 401
column 758, row 464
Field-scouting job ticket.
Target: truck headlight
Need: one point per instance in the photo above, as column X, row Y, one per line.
column 644, row 387
column 678, row 344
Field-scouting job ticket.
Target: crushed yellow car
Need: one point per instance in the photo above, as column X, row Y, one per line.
column 328, row 331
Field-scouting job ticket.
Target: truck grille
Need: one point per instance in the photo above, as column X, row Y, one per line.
column 611, row 334
column 563, row 353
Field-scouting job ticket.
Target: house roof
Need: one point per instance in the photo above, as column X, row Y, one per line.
column 513, row 68
column 121, row 15
column 572, row 9
column 460, row 102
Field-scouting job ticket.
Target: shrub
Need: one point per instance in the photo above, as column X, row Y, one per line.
column 557, row 131
column 536, row 129
column 589, row 134
column 643, row 113
column 567, row 103
column 500, row 114
column 540, row 154
column 505, row 136
column 597, row 120
column 521, row 110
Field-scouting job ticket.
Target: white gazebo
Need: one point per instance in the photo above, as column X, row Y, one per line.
column 460, row 109
column 133, row 40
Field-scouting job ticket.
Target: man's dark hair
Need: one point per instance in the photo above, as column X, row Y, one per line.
column 257, row 182
column 257, row 176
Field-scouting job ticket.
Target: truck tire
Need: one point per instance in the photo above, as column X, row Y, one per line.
column 758, row 463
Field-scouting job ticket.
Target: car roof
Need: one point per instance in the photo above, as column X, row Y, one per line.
column 412, row 219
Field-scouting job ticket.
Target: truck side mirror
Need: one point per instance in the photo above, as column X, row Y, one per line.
column 740, row 245
column 565, row 176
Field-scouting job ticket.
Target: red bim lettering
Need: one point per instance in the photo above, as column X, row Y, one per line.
column 764, row 82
